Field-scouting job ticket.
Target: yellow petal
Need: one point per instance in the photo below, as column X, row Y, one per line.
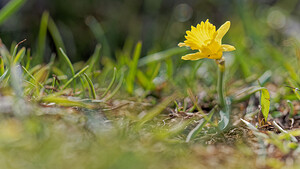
column 227, row 48
column 194, row 56
column 211, row 48
column 222, row 31
column 201, row 35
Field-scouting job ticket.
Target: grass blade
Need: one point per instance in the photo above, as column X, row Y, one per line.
column 20, row 55
column 293, row 85
column 69, row 63
column 98, row 32
column 32, row 77
column 133, row 68
column 3, row 76
column 283, row 131
column 144, row 80
column 56, row 37
column 10, row 8
column 28, row 59
column 249, row 125
column 93, row 61
column 16, row 48
column 246, row 93
column 75, row 76
column 67, row 60
column 90, row 85
column 116, row 89
column 160, row 56
column 155, row 71
column 111, row 83
column 42, row 38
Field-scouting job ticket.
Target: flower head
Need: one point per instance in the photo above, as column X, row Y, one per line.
column 207, row 40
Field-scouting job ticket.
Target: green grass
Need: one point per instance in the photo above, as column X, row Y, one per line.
column 153, row 111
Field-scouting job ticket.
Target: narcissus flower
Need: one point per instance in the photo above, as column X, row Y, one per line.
column 207, row 41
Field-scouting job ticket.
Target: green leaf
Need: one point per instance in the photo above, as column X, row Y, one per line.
column 224, row 119
column 63, row 101
column 265, row 103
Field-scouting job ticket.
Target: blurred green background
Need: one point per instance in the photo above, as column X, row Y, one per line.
column 159, row 24
column 266, row 34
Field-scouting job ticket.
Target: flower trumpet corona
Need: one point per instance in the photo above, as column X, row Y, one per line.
column 207, row 40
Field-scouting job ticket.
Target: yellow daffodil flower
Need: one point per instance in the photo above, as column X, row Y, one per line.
column 207, row 40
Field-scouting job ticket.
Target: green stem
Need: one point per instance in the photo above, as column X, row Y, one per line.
column 224, row 113
column 221, row 72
